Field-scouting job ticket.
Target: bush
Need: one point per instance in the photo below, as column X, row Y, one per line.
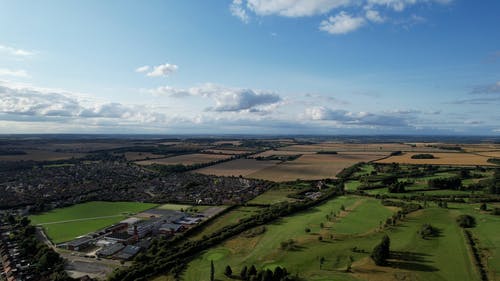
column 428, row 230
column 466, row 221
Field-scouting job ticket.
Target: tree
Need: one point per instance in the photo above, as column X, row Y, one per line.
column 381, row 252
column 321, row 262
column 483, row 207
column 212, row 271
column 278, row 273
column 342, row 207
column 466, row 221
column 349, row 264
column 252, row 270
column 244, row 273
column 307, row 230
column 228, row 272
column 321, row 225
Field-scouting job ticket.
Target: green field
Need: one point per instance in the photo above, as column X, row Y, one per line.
column 274, row 195
column 175, row 207
column 265, row 251
column 231, row 217
column 445, row 257
column 65, row 224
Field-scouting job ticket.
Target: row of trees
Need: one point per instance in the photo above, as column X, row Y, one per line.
column 251, row 274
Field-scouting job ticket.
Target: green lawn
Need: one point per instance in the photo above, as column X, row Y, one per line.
column 68, row 223
column 487, row 232
column 352, row 185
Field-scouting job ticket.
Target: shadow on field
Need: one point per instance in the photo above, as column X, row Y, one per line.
column 411, row 261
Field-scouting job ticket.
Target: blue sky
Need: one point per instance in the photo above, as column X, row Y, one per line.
column 250, row 66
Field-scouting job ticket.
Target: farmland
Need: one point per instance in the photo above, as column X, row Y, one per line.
column 311, row 167
column 40, row 155
column 68, row 223
column 186, row 159
column 453, row 158
column 243, row 167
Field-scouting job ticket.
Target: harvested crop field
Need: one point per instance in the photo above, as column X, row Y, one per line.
column 495, row 154
column 312, row 167
column 41, row 155
column 186, row 159
column 227, row 151
column 281, row 152
column 452, row 158
column 237, row 167
column 135, row 156
column 350, row 147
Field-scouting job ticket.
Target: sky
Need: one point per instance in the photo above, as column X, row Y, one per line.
column 318, row 67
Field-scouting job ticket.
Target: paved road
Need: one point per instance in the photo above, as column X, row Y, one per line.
column 83, row 219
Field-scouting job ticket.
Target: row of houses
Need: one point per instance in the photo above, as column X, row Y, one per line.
column 15, row 267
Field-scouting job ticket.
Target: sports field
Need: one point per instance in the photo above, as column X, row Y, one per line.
column 65, row 224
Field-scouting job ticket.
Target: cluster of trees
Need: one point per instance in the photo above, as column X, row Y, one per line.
column 382, row 251
column 278, row 157
column 251, row 274
column 422, row 156
column 406, row 208
column 445, row 183
column 326, row 152
column 397, row 187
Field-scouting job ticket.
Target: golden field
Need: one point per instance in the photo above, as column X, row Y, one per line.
column 441, row 158
column 186, row 159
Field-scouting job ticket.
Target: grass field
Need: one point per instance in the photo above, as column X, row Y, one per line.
column 311, row 167
column 445, row 257
column 65, row 224
column 265, row 251
column 186, row 159
column 274, row 195
column 231, row 217
column 452, row 158
column 237, row 167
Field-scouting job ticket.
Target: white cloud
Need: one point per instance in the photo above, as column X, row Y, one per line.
column 15, row 51
column 487, row 89
column 36, row 104
column 344, row 117
column 238, row 11
column 342, row 23
column 374, row 16
column 226, row 99
column 159, row 70
column 14, row 73
column 142, row 69
column 294, row 8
